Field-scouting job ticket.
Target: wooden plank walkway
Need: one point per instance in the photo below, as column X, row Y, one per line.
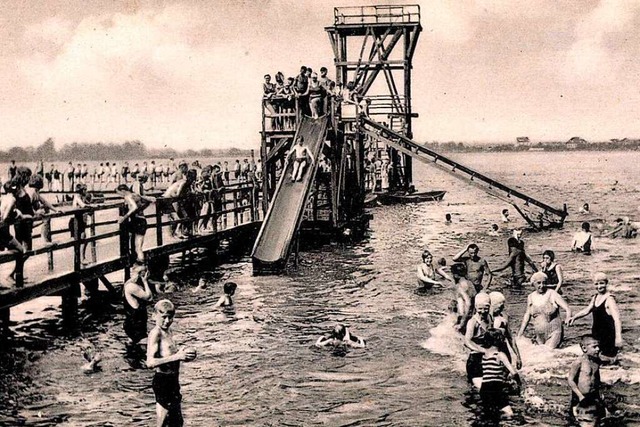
column 56, row 268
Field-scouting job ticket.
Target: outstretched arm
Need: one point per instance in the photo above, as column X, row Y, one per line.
column 585, row 311
column 563, row 304
column 153, row 348
column 506, row 265
column 488, row 273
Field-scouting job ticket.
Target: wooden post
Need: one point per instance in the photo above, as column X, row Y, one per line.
column 69, row 305
column 235, row 207
column 46, row 234
column 77, row 244
column 158, row 223
column 94, row 257
column 252, row 203
column 5, row 319
column 124, row 245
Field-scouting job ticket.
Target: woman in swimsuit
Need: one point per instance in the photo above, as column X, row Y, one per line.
column 501, row 322
column 477, row 326
column 606, row 328
column 543, row 309
column 552, row 270
column 427, row 273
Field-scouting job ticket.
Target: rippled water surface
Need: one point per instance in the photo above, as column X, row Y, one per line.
column 258, row 366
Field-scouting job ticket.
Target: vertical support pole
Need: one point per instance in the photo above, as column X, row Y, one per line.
column 252, row 203
column 46, row 233
column 93, row 233
column 69, row 304
column 124, row 245
column 77, row 243
column 408, row 165
column 235, row 207
column 5, row 319
column 158, row 223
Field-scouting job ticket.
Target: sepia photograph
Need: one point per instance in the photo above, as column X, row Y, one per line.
column 297, row 213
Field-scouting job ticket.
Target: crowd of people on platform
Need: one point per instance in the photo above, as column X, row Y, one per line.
column 494, row 358
column 311, row 94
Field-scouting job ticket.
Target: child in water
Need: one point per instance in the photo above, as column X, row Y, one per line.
column 164, row 356
column 494, row 388
column 341, row 336
column 465, row 294
column 226, row 299
column 583, row 240
column 587, row 405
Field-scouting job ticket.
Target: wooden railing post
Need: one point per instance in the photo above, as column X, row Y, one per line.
column 252, row 202
column 235, row 207
column 94, row 257
column 124, row 244
column 77, row 244
column 158, row 207
column 46, row 234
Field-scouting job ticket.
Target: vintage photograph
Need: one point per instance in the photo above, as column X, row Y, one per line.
column 299, row 213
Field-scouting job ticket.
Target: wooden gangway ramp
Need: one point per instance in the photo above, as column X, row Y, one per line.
column 538, row 214
column 56, row 265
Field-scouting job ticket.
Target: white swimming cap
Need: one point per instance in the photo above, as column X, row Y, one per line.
column 538, row 276
column 496, row 298
column 482, row 299
column 599, row 276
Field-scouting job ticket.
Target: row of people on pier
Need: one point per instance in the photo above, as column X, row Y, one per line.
column 108, row 175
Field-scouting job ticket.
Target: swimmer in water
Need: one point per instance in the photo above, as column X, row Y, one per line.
column 543, row 306
column 583, row 240
column 624, row 228
column 427, row 274
column 517, row 259
column 447, row 218
column 501, row 323
column 164, row 356
column 465, row 294
column 477, row 327
column 584, row 209
column 495, row 230
column 340, row 335
column 226, row 300
column 607, row 327
column 587, row 405
column 504, row 216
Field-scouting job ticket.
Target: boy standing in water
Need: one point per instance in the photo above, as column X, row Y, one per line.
column 465, row 294
column 163, row 355
column 584, row 379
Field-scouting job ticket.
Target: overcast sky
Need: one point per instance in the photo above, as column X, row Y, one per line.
column 188, row 74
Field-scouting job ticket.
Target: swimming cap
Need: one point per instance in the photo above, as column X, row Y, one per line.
column 482, row 299
column 599, row 276
column 538, row 276
column 496, row 298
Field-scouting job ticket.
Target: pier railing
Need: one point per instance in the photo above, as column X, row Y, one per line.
column 107, row 244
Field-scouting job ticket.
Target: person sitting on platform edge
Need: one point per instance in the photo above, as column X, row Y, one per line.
column 134, row 220
column 301, row 155
column 340, row 335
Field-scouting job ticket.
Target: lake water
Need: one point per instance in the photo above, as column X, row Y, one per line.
column 258, row 367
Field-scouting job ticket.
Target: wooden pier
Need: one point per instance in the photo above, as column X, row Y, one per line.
column 55, row 267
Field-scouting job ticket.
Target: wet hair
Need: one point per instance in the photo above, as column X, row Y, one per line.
column 459, row 269
column 230, row 288
column 123, row 187
column 339, row 331
column 585, row 339
column 165, row 306
column 494, row 227
column 493, row 337
column 505, row 211
column 36, row 182
column 447, row 216
column 323, row 69
column 473, row 246
column 586, row 226
column 585, row 206
column 550, row 254
column 24, row 173
column 11, row 186
column 425, row 254
column 512, row 242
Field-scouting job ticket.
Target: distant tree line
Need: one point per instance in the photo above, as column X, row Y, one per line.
column 627, row 145
column 107, row 151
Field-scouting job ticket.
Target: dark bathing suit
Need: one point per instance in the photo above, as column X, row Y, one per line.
column 166, row 387
column 24, row 229
column 135, row 320
column 603, row 329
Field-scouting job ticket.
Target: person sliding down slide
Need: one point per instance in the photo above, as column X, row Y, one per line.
column 300, row 155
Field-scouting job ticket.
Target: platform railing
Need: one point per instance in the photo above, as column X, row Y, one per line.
column 380, row 14
column 239, row 206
